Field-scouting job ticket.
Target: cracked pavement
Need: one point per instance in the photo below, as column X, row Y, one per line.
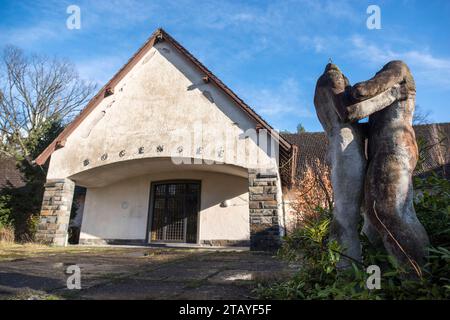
column 137, row 273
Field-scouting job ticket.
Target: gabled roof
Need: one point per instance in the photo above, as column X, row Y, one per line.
column 158, row 35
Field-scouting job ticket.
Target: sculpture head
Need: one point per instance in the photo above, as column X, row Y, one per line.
column 331, row 88
column 334, row 78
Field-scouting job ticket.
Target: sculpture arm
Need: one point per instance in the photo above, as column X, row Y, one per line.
column 367, row 107
column 393, row 73
column 392, row 83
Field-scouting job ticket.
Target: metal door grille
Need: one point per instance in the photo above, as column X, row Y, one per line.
column 175, row 210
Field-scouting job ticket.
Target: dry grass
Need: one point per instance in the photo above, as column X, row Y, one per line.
column 30, row 294
column 12, row 251
column 6, row 234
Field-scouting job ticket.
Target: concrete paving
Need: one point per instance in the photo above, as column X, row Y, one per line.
column 138, row 273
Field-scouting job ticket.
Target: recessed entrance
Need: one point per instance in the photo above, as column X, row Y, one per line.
column 174, row 211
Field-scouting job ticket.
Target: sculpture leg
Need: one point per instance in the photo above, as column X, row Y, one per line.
column 348, row 171
column 389, row 207
column 344, row 230
column 370, row 232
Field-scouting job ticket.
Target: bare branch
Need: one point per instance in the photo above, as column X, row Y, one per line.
column 421, row 116
column 34, row 89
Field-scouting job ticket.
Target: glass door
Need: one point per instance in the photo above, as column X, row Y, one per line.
column 175, row 212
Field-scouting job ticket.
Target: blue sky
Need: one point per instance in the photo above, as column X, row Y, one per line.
column 269, row 52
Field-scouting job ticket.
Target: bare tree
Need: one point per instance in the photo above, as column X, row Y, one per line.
column 421, row 116
column 312, row 191
column 35, row 89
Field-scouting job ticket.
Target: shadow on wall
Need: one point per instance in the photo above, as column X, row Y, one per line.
column 207, row 89
column 265, row 238
column 76, row 214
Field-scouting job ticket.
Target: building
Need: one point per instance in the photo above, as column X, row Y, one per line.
column 168, row 153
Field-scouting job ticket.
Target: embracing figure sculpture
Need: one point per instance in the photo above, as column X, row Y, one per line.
column 388, row 99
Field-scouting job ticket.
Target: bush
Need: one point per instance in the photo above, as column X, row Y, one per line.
column 6, row 217
column 20, row 207
column 432, row 205
column 313, row 190
column 6, row 221
column 318, row 277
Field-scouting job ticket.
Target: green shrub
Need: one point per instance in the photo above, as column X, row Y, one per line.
column 6, row 220
column 432, row 205
column 20, row 207
column 6, row 217
column 318, row 277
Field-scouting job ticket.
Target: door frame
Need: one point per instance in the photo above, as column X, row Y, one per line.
column 153, row 185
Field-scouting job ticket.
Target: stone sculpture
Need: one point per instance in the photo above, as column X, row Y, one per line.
column 388, row 99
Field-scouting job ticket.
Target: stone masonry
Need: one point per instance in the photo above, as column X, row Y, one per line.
column 263, row 205
column 55, row 212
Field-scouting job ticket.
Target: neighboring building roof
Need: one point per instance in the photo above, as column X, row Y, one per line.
column 312, row 146
column 436, row 136
column 436, row 151
column 10, row 176
column 286, row 149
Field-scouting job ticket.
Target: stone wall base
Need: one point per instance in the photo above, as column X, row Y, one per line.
column 264, row 207
column 226, row 243
column 96, row 242
column 55, row 212
column 143, row 242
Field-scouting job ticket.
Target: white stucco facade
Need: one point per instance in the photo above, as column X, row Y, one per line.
column 163, row 121
column 162, row 102
column 124, row 207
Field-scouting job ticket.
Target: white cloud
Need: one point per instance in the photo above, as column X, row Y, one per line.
column 99, row 70
column 286, row 98
column 244, row 17
column 117, row 14
column 331, row 9
column 28, row 36
column 427, row 60
column 319, row 44
column 426, row 68
column 369, row 52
